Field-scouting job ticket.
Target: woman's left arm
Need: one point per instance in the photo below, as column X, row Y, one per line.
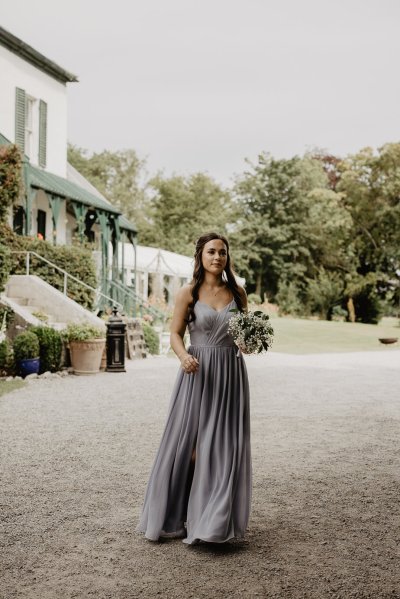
column 243, row 297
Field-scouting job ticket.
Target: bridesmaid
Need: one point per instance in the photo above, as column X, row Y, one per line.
column 200, row 484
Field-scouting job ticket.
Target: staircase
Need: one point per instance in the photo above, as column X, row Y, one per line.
column 35, row 302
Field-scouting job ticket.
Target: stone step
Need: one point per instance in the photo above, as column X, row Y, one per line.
column 22, row 301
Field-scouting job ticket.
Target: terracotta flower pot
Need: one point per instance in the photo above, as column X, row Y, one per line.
column 86, row 355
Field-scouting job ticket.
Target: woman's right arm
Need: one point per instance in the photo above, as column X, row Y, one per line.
column 178, row 327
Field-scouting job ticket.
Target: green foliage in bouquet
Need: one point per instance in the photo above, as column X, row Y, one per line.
column 251, row 331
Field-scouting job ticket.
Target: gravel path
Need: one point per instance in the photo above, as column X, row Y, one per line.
column 325, row 522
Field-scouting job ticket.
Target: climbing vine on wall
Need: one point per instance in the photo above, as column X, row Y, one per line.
column 10, row 178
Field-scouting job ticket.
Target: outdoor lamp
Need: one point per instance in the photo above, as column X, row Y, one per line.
column 115, row 343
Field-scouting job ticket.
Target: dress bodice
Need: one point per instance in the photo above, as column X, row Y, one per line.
column 211, row 326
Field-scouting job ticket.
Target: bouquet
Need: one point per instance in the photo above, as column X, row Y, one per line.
column 251, row 331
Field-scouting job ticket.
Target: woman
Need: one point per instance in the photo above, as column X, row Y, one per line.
column 201, row 476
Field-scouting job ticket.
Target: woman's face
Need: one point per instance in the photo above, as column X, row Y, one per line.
column 214, row 256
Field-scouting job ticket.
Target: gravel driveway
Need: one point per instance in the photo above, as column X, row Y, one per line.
column 325, row 522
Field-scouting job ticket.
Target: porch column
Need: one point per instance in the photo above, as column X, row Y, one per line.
column 105, row 239
column 55, row 205
column 123, row 238
column 30, row 196
column 116, row 240
column 145, row 285
column 80, row 211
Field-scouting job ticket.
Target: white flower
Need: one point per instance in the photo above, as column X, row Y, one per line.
column 251, row 331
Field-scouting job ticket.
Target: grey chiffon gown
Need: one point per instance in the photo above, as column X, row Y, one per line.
column 208, row 412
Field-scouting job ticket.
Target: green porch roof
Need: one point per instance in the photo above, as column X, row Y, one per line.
column 61, row 187
column 66, row 189
column 125, row 224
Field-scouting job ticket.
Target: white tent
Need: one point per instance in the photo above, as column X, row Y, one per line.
column 159, row 272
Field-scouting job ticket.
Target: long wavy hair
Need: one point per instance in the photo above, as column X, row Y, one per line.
column 199, row 273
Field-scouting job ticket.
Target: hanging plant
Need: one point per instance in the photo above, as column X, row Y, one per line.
column 10, row 178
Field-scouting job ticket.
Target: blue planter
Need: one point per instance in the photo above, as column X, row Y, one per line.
column 29, row 366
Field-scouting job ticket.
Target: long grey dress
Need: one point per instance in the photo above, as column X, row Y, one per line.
column 209, row 411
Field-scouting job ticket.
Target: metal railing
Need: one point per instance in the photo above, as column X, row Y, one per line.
column 133, row 303
column 99, row 295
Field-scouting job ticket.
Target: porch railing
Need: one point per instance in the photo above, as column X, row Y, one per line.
column 101, row 299
column 134, row 304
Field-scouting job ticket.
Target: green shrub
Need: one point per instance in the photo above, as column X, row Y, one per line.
column 6, row 358
column 339, row 313
column 289, row 299
column 324, row 292
column 368, row 306
column 151, row 339
column 5, row 265
column 8, row 313
column 50, row 348
column 10, row 178
column 254, row 298
column 26, row 346
column 77, row 261
column 83, row 332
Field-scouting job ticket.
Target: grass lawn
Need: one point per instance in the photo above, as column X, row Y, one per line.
column 8, row 386
column 300, row 336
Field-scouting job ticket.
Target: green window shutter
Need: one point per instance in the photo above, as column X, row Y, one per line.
column 20, row 118
column 42, row 133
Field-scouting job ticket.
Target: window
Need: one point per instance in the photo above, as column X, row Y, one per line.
column 30, row 136
column 41, row 224
column 31, row 126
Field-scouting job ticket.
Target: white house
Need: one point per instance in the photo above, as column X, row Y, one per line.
column 58, row 202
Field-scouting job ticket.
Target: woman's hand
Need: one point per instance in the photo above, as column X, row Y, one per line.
column 189, row 363
column 243, row 348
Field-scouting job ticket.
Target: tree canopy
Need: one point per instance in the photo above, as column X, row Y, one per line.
column 315, row 234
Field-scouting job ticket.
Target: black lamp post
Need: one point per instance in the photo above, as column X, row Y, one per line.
column 115, row 343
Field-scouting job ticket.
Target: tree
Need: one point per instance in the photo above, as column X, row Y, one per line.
column 370, row 184
column 120, row 177
column 275, row 200
column 183, row 208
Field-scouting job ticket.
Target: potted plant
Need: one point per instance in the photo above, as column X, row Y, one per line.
column 86, row 344
column 50, row 347
column 26, row 353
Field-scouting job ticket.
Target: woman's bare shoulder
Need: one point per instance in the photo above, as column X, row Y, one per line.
column 184, row 294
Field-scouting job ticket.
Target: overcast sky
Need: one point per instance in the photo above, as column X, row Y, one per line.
column 202, row 85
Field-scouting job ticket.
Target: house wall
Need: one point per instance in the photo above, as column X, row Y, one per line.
column 16, row 72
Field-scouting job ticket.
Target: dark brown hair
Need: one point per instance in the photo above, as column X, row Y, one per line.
column 198, row 273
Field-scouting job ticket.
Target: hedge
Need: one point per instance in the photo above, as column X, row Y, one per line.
column 77, row 261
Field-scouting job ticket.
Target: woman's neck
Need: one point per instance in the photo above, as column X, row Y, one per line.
column 212, row 281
